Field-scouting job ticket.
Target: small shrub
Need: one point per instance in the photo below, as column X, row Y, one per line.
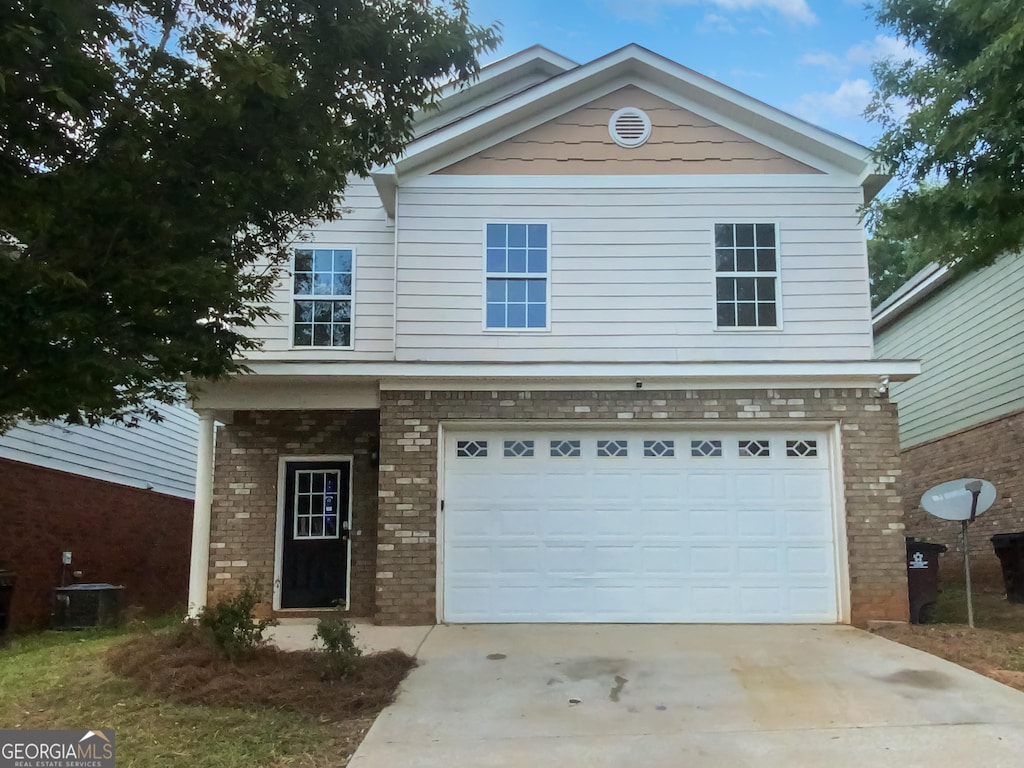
column 231, row 625
column 339, row 646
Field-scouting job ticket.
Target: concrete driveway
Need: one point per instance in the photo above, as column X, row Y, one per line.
column 688, row 696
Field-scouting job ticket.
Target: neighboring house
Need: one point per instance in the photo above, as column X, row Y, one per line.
column 597, row 347
column 964, row 415
column 119, row 499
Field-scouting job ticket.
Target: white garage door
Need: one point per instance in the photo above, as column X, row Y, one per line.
column 638, row 526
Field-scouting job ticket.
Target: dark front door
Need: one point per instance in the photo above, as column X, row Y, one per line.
column 314, row 572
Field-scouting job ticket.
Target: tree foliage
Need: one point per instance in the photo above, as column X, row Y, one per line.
column 154, row 153
column 953, row 124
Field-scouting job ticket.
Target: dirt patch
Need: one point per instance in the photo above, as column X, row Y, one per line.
column 998, row 654
column 181, row 667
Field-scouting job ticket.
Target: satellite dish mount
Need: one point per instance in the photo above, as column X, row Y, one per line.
column 961, row 500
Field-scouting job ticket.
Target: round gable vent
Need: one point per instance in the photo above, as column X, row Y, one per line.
column 630, row 127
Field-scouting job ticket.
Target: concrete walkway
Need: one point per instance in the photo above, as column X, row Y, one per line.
column 715, row 696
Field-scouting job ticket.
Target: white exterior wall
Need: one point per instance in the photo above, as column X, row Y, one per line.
column 365, row 228
column 632, row 273
column 157, row 455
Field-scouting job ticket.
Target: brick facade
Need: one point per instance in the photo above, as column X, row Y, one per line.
column 116, row 534
column 407, row 544
column 243, row 528
column 395, row 555
column 993, row 451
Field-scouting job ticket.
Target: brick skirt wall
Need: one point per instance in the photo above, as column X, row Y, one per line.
column 407, row 528
column 993, row 451
column 243, row 531
column 117, row 534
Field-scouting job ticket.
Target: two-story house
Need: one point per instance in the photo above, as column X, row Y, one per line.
column 596, row 348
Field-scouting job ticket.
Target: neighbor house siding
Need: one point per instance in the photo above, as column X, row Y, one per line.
column 364, row 227
column 632, row 274
column 159, row 456
column 116, row 534
column 968, row 338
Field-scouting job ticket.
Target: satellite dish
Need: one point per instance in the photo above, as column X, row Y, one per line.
column 952, row 500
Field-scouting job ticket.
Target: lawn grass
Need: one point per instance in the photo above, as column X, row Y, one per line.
column 61, row 680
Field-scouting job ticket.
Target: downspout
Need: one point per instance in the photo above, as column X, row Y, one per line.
column 394, row 287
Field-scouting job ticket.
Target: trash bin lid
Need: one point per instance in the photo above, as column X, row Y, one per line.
column 88, row 587
column 1008, row 538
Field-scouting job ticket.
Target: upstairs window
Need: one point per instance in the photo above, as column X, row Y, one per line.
column 746, row 275
column 516, row 273
column 322, row 291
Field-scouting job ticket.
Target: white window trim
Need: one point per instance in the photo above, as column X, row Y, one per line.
column 536, row 275
column 292, row 298
column 778, row 327
column 282, row 471
column 295, row 513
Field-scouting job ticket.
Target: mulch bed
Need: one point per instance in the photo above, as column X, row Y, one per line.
column 186, row 668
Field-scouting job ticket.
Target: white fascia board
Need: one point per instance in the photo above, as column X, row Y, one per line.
column 387, row 184
column 357, row 386
column 523, row 59
column 888, row 312
column 495, row 82
column 896, row 370
column 740, row 110
column 285, row 393
column 634, row 182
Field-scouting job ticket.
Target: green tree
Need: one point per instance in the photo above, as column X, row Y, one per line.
column 953, row 128
column 153, row 153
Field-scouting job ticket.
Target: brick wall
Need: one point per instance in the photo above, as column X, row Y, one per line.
column 407, row 544
column 993, row 451
column 243, row 528
column 116, row 534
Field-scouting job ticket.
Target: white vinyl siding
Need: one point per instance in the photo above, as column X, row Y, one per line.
column 364, row 228
column 634, row 275
column 156, row 455
column 968, row 339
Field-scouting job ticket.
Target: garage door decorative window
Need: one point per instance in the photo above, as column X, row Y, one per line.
column 801, row 448
column 518, row 449
column 659, row 448
column 754, row 448
column 612, row 448
column 706, row 448
column 561, row 449
column 471, row 449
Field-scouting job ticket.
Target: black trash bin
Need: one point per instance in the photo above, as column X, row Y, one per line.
column 7, row 580
column 1009, row 549
column 923, row 578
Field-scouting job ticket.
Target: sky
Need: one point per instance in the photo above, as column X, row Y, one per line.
column 811, row 58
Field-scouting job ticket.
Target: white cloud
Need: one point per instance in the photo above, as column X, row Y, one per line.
column 718, row 23
column 847, row 102
column 794, row 10
column 866, row 53
column 882, row 47
column 826, row 60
